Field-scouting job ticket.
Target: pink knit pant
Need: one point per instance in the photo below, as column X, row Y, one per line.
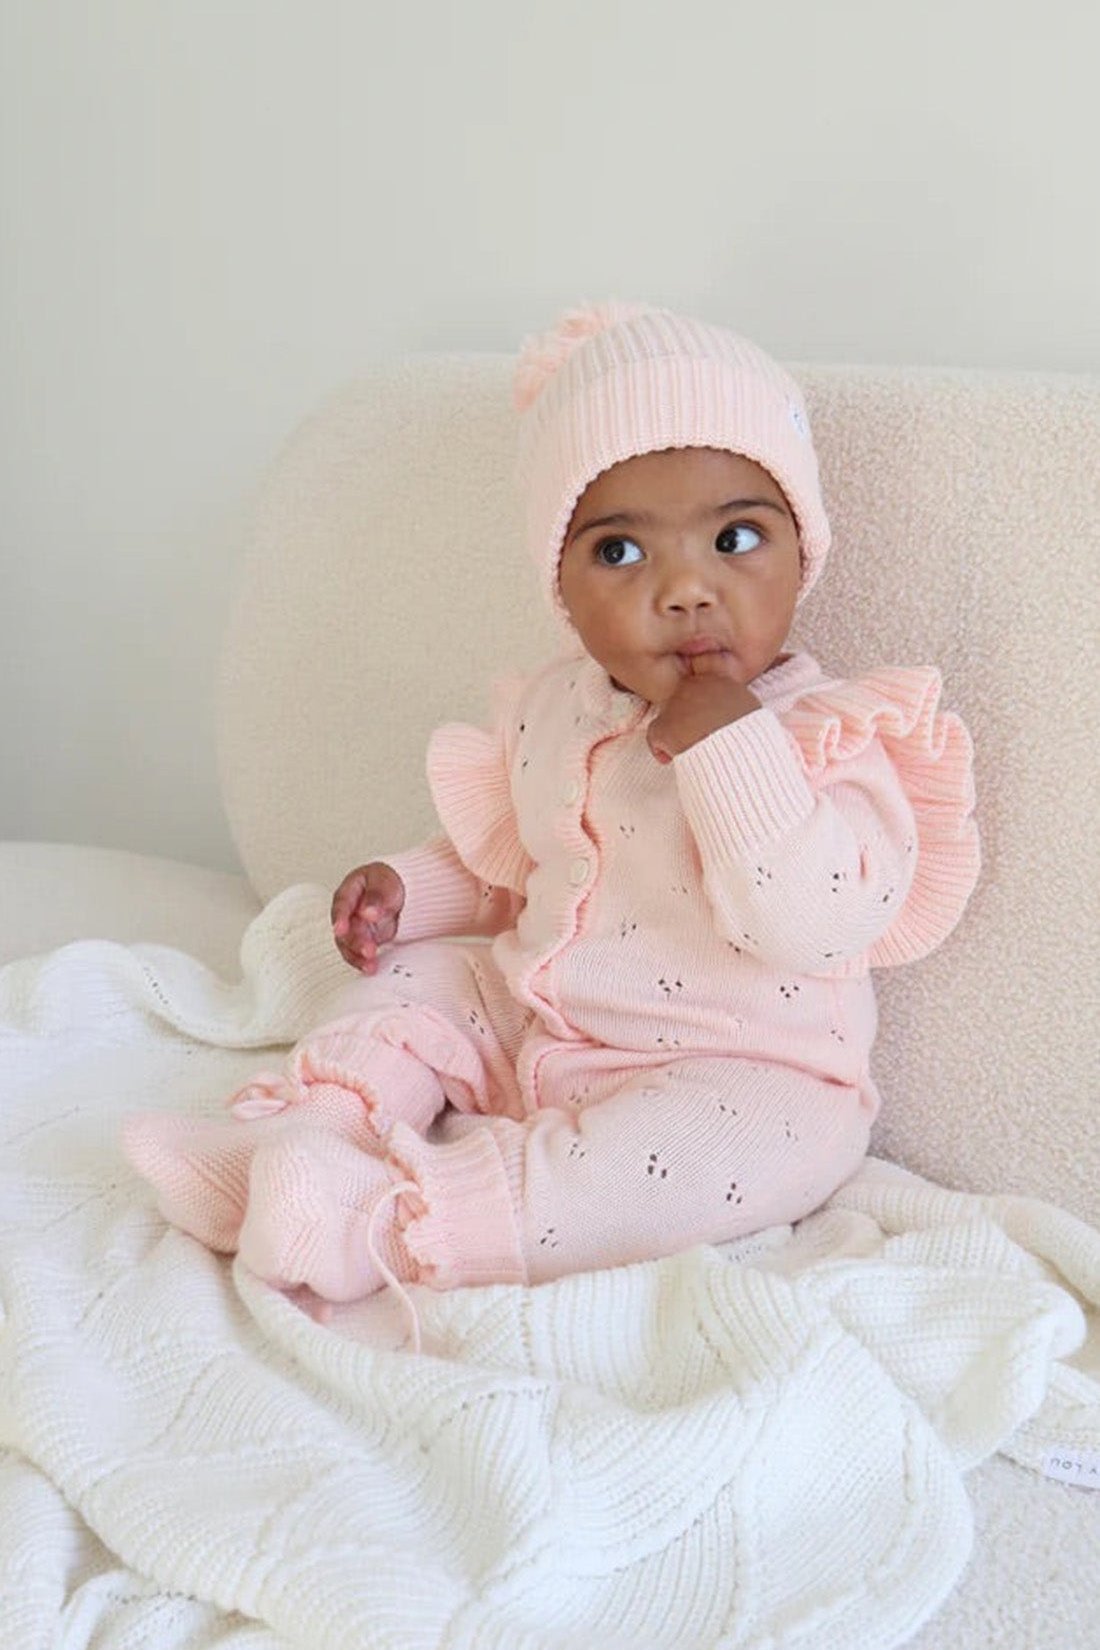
column 617, row 1157
column 535, row 1157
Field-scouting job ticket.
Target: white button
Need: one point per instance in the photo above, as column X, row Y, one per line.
column 571, row 792
column 578, row 872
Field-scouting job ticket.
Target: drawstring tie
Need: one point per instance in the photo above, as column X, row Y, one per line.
column 391, row 1280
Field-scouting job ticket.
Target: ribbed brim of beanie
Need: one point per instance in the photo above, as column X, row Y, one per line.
column 611, row 381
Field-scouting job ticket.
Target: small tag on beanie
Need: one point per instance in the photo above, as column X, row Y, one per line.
column 799, row 420
column 1073, row 1466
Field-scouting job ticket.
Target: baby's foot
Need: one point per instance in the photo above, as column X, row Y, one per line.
column 199, row 1168
column 310, row 1201
column 200, row 1165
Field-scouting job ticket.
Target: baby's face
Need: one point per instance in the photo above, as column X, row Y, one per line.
column 686, row 556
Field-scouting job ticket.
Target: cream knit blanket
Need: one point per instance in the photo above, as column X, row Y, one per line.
column 760, row 1446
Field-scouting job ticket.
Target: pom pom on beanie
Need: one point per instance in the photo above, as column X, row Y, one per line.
column 613, row 380
column 543, row 353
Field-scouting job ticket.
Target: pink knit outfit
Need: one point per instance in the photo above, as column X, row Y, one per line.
column 667, row 1042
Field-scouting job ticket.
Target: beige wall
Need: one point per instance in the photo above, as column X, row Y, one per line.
column 216, row 210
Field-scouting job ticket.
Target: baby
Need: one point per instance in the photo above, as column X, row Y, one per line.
column 688, row 848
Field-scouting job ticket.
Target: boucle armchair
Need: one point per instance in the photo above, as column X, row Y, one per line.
column 382, row 588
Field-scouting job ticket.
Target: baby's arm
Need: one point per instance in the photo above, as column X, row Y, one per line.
column 444, row 898
column 799, row 874
column 468, row 879
column 426, row 893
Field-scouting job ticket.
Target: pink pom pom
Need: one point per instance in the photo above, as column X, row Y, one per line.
column 543, row 353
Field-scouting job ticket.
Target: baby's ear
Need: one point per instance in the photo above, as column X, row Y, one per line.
column 543, row 353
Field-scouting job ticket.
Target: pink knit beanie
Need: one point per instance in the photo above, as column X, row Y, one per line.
column 613, row 380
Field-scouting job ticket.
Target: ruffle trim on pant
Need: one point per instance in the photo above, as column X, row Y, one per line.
column 460, row 1226
column 397, row 1062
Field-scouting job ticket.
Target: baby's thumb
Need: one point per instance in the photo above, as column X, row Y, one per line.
column 345, row 900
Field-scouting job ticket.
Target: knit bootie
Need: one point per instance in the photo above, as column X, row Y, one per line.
column 200, row 1165
column 311, row 1199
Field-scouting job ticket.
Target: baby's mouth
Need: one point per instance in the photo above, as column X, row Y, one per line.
column 700, row 644
column 688, row 662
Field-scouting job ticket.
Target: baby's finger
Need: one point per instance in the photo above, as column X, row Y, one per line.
column 366, row 959
column 384, row 927
column 362, row 937
column 362, row 962
column 349, row 953
column 344, row 901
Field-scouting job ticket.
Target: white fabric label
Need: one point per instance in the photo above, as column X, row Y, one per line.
column 1074, row 1466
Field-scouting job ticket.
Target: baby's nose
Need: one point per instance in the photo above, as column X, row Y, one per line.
column 687, row 583
column 687, row 596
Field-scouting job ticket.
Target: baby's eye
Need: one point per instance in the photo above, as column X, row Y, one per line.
column 615, row 549
column 731, row 532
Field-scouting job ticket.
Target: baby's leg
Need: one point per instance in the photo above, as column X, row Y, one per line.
column 407, row 1040
column 701, row 1151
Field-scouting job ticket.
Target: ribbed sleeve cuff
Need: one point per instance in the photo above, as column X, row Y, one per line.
column 460, row 1228
column 441, row 895
column 743, row 786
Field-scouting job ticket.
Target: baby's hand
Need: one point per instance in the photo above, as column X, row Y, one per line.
column 365, row 912
column 708, row 699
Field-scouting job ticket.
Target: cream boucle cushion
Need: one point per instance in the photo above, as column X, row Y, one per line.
column 385, row 586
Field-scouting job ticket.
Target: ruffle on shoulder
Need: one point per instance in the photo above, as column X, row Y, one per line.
column 468, row 776
column 934, row 757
